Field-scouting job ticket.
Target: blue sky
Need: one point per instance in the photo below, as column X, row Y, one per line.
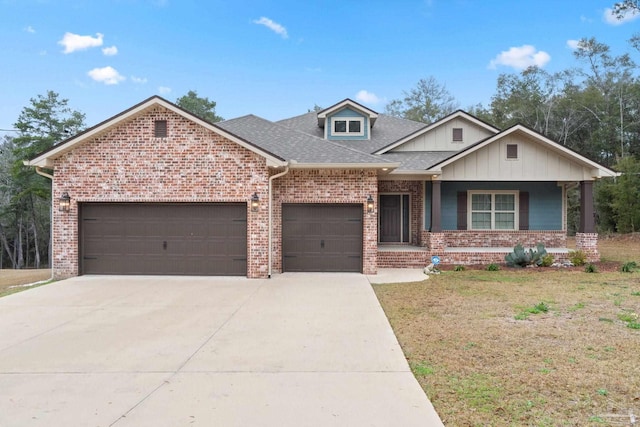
column 276, row 59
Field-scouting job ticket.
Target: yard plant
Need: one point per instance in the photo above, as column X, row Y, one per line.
column 571, row 359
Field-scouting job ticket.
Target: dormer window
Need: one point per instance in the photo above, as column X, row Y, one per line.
column 352, row 126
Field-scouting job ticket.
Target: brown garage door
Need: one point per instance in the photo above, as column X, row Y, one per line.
column 151, row 238
column 321, row 237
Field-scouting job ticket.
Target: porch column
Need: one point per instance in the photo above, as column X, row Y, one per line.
column 436, row 211
column 587, row 221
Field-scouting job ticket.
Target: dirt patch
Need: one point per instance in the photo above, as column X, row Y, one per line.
column 525, row 346
column 9, row 278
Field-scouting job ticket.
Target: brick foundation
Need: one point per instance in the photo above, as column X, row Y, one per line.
column 588, row 243
column 403, row 259
column 509, row 239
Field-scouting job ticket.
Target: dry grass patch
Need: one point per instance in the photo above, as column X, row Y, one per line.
column 534, row 347
column 11, row 278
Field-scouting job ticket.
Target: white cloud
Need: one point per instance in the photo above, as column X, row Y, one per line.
column 273, row 26
column 521, row 58
column 164, row 90
column 30, row 29
column 367, row 97
column 107, row 75
column 73, row 42
column 610, row 18
column 110, row 51
column 573, row 44
column 139, row 80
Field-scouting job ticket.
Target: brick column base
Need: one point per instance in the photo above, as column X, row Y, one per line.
column 588, row 243
column 436, row 243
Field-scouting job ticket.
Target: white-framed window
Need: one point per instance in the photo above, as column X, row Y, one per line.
column 348, row 126
column 493, row 210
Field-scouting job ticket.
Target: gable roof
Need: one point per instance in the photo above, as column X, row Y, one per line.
column 597, row 170
column 45, row 159
column 455, row 115
column 322, row 114
column 302, row 149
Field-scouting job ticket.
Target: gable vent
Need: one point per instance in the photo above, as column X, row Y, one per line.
column 457, row 134
column 512, row 151
column 160, row 129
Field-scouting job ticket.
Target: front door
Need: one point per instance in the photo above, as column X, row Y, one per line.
column 394, row 218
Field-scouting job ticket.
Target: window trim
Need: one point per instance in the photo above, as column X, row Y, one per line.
column 335, row 120
column 493, row 193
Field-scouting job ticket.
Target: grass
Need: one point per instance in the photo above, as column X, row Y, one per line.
column 572, row 359
column 10, row 280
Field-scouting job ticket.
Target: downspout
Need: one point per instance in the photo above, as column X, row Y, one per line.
column 46, row 175
column 271, row 178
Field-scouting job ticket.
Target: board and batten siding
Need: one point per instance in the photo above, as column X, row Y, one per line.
column 441, row 137
column 535, row 162
column 347, row 113
column 545, row 202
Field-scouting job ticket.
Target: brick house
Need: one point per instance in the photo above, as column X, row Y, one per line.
column 157, row 190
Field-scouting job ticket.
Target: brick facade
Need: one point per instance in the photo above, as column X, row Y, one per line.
column 328, row 186
column 128, row 164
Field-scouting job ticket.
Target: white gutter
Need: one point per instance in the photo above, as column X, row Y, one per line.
column 271, row 178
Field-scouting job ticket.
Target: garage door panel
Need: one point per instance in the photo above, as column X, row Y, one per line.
column 147, row 238
column 322, row 237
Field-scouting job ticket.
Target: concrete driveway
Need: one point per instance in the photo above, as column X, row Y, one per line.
column 295, row 350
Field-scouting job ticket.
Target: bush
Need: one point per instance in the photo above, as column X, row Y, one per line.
column 591, row 268
column 459, row 268
column 493, row 267
column 629, row 267
column 521, row 258
column 547, row 260
column 577, row 258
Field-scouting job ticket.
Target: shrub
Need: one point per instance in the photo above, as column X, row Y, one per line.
column 521, row 258
column 590, row 268
column 629, row 267
column 547, row 260
column 493, row 267
column 459, row 268
column 577, row 258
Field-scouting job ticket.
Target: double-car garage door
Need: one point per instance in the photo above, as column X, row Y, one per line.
column 151, row 238
column 211, row 238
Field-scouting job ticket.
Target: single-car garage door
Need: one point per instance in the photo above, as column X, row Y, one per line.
column 163, row 238
column 321, row 237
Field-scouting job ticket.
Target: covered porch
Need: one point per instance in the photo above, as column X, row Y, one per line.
column 415, row 211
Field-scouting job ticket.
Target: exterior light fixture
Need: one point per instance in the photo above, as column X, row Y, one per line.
column 64, row 202
column 255, row 202
column 369, row 204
